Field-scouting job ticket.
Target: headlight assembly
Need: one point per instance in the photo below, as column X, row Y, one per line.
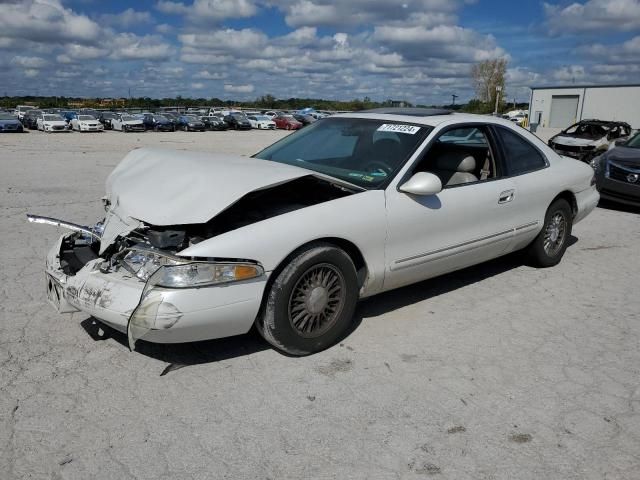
column 170, row 271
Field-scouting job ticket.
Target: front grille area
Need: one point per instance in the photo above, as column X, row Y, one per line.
column 575, row 149
column 620, row 173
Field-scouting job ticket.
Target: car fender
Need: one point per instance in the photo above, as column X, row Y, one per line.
column 359, row 219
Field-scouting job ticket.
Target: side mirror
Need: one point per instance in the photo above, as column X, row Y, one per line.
column 422, row 183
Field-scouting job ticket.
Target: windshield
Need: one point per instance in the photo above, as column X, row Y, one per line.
column 367, row 153
column 4, row 116
column 128, row 118
column 52, row 118
column 192, row 118
column 634, row 142
column 261, row 118
column 85, row 117
column 161, row 118
column 108, row 115
column 240, row 116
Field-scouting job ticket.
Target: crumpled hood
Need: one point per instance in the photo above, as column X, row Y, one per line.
column 575, row 141
column 165, row 187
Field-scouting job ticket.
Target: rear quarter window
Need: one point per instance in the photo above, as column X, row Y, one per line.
column 520, row 155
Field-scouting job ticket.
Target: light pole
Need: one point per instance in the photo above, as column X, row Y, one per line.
column 453, row 98
column 498, row 90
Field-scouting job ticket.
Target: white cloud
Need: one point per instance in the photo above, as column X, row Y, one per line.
column 444, row 41
column 300, row 13
column 128, row 46
column 126, row 19
column 594, row 15
column 206, row 11
column 570, row 73
column 164, row 28
column 78, row 53
column 197, row 85
column 248, row 88
column 626, row 52
column 46, row 21
column 206, row 75
column 29, row 62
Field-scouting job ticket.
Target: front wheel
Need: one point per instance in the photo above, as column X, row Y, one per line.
column 549, row 246
column 311, row 302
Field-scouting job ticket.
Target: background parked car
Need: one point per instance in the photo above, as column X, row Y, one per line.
column 238, row 121
column 105, row 119
column 69, row 115
column 158, row 123
column 10, row 123
column 588, row 138
column 261, row 122
column 21, row 110
column 52, row 122
column 213, row 123
column 127, row 123
column 618, row 172
column 86, row 123
column 190, row 123
column 304, row 119
column 287, row 122
column 173, row 117
column 30, row 119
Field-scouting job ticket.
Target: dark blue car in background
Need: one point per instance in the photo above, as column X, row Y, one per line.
column 9, row 123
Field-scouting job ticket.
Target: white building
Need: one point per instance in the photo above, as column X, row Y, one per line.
column 560, row 107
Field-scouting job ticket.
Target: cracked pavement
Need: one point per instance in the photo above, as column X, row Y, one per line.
column 500, row 371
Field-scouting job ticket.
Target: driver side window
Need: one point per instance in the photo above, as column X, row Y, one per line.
column 460, row 156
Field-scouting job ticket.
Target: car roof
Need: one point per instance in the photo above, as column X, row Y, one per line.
column 592, row 121
column 432, row 119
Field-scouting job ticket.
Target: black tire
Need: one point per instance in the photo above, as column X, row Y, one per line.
column 318, row 264
column 549, row 246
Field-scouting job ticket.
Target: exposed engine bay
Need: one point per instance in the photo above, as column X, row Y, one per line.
column 83, row 246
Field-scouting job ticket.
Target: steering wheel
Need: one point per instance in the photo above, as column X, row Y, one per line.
column 380, row 166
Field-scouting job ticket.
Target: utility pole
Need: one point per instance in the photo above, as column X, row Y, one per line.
column 453, row 98
column 498, row 90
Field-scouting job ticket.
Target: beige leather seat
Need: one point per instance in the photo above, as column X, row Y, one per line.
column 455, row 168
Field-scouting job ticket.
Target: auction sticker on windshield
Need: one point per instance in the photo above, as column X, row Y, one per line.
column 398, row 128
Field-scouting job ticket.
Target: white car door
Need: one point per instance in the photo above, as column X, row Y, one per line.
column 534, row 184
column 471, row 220
column 116, row 123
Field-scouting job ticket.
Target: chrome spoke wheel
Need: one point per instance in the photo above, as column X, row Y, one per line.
column 555, row 233
column 317, row 300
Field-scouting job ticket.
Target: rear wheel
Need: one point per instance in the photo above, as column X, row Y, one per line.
column 551, row 243
column 311, row 302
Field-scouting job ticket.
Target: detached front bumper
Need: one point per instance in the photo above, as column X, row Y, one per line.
column 154, row 314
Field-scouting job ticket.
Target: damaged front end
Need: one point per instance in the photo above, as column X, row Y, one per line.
column 134, row 283
column 132, row 272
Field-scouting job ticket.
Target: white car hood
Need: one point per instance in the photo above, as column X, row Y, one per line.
column 573, row 141
column 131, row 122
column 165, row 187
column 54, row 123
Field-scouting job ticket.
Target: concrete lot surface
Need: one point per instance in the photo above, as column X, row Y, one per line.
column 500, row 371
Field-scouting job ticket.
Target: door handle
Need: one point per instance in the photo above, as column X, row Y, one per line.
column 506, row 196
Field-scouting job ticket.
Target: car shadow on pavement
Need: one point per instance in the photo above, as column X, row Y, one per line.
column 418, row 292
column 182, row 355
column 618, row 207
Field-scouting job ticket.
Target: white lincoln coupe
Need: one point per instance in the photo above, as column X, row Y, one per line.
column 197, row 246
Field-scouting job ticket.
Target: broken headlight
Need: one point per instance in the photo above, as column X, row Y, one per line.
column 174, row 272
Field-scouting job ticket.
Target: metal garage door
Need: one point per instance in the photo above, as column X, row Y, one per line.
column 564, row 109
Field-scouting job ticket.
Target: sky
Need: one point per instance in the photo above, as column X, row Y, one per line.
column 420, row 51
